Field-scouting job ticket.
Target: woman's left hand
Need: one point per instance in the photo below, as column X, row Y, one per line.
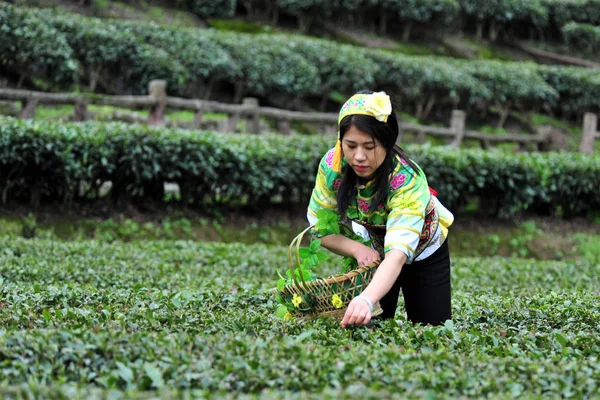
column 358, row 313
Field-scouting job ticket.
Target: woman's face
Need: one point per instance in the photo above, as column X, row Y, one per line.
column 364, row 153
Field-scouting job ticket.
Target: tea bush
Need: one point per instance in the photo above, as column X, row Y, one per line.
column 164, row 316
column 582, row 36
column 122, row 56
column 43, row 162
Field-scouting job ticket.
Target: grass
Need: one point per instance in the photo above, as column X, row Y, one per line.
column 63, row 112
column 525, row 239
column 588, row 246
column 539, row 119
column 241, row 26
column 50, row 113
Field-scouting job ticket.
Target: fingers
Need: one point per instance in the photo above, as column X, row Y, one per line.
column 347, row 315
column 367, row 261
column 356, row 315
column 366, row 256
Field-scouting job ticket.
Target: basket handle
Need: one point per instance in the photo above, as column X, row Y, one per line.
column 296, row 244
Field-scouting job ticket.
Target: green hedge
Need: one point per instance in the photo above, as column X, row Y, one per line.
column 582, row 36
column 202, row 8
column 213, row 8
column 267, row 66
column 386, row 12
column 563, row 11
column 122, row 56
column 499, row 14
column 32, row 49
column 205, row 62
column 513, row 17
column 63, row 163
column 423, row 83
column 578, row 88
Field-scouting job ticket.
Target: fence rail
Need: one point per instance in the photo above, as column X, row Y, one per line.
column 157, row 101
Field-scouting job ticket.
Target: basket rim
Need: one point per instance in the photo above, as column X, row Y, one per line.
column 336, row 278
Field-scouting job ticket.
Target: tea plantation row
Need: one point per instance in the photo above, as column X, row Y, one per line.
column 121, row 57
column 91, row 319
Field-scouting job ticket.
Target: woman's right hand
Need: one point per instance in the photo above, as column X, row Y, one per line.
column 365, row 255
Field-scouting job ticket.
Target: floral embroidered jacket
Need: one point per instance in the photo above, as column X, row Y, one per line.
column 413, row 219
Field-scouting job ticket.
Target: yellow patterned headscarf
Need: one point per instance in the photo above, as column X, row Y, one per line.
column 377, row 105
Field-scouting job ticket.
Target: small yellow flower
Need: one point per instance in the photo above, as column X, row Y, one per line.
column 336, row 301
column 296, row 301
column 287, row 316
column 379, row 105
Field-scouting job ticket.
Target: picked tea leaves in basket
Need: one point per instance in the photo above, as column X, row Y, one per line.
column 302, row 295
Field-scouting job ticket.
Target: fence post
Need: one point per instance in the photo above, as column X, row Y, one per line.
column 590, row 125
column 420, row 136
column 283, row 126
column 457, row 124
column 28, row 108
column 197, row 123
column 252, row 121
column 158, row 89
column 80, row 110
column 485, row 144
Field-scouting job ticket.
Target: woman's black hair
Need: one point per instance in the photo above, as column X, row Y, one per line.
column 386, row 133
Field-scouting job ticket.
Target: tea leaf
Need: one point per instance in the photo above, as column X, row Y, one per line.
column 155, row 375
column 304, row 253
column 125, row 372
column 315, row 245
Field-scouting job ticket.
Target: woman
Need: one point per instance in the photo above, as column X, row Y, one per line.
column 370, row 181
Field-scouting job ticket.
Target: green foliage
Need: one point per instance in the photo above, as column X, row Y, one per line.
column 101, row 320
column 563, row 11
column 29, row 227
column 305, row 260
column 122, row 56
column 423, row 11
column 416, row 80
column 505, row 11
column 589, row 247
column 62, row 163
column 31, row 48
column 266, row 66
column 295, row 7
column 512, row 84
column 239, row 26
column 340, row 68
column 204, row 60
column 213, row 8
column 583, row 36
column 578, row 88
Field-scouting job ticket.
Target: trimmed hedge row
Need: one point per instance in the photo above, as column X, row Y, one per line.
column 212, row 8
column 516, row 16
column 536, row 14
column 202, row 8
column 33, row 48
column 563, row 11
column 122, row 56
column 64, row 163
column 582, row 36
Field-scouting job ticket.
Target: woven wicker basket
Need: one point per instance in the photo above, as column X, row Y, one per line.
column 317, row 294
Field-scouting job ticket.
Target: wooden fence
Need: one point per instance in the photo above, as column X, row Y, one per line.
column 157, row 102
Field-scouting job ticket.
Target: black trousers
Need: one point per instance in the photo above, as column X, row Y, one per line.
column 426, row 288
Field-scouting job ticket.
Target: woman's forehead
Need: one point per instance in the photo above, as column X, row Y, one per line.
column 355, row 135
